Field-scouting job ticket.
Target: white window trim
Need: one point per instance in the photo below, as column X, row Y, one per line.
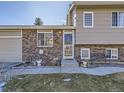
column 111, row 21
column 111, row 54
column 84, row 19
column 38, row 31
column 88, row 53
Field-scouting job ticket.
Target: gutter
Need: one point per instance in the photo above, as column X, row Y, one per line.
column 11, row 27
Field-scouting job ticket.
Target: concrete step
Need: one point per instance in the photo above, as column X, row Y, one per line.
column 69, row 63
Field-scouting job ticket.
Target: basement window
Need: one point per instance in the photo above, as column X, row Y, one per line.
column 111, row 53
column 85, row 53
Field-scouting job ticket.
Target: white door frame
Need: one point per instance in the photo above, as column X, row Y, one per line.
column 68, row 32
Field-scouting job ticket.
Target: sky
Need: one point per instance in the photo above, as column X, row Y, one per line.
column 25, row 12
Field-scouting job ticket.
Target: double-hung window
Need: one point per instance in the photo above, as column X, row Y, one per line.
column 118, row 19
column 45, row 39
column 88, row 19
column 111, row 53
column 85, row 53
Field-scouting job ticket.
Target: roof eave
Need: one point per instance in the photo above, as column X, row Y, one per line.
column 36, row 27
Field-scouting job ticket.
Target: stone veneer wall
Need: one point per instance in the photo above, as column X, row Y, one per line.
column 97, row 52
column 30, row 49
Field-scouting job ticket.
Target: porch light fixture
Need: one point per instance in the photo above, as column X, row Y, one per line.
column 60, row 32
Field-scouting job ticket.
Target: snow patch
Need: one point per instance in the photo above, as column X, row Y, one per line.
column 2, row 84
column 67, row 79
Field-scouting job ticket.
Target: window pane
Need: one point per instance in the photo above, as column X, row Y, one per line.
column 49, row 39
column 68, row 38
column 40, row 39
column 112, row 53
column 45, row 39
column 115, row 53
column 121, row 19
column 84, row 53
column 117, row 18
column 114, row 56
column 88, row 19
column 114, row 18
column 108, row 53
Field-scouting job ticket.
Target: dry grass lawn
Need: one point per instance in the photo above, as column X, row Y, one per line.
column 54, row 82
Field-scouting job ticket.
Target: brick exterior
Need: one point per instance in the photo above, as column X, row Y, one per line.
column 97, row 52
column 30, row 49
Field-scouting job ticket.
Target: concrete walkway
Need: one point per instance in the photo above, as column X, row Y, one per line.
column 101, row 71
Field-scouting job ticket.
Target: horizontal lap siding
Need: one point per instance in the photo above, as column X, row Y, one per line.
column 10, row 33
column 102, row 32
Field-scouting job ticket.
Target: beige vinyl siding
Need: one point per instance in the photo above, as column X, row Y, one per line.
column 73, row 13
column 10, row 33
column 102, row 32
column 70, row 17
